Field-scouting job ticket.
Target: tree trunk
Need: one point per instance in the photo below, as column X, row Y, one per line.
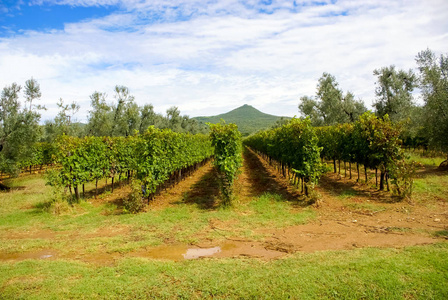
column 83, row 191
column 334, row 165
column 357, row 169
column 345, row 168
column 376, row 177
column 350, row 166
column 387, row 181
column 365, row 172
column 96, row 187
column 382, row 180
column 76, row 192
column 113, row 177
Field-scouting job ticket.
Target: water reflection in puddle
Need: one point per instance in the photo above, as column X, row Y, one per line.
column 179, row 252
column 196, row 253
column 44, row 254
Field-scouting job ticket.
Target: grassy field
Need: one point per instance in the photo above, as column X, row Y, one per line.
column 93, row 251
column 411, row 273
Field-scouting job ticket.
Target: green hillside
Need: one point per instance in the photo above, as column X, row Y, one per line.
column 248, row 119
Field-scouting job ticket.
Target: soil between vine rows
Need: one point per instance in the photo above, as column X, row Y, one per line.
column 348, row 215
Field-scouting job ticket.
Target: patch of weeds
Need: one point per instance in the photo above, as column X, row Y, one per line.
column 441, row 233
column 428, row 159
column 347, row 194
column 399, row 229
column 110, row 209
column 431, row 187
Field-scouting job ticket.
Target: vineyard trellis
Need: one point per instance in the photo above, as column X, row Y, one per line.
column 227, row 143
column 293, row 147
column 155, row 157
column 372, row 142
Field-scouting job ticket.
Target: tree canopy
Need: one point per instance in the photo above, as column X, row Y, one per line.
column 331, row 106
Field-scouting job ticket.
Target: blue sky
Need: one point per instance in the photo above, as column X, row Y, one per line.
column 45, row 17
column 210, row 56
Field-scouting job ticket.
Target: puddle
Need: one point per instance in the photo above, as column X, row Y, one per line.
column 44, row 254
column 201, row 252
column 178, row 252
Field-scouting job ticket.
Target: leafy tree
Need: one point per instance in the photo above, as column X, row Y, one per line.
column 434, row 84
column 63, row 122
column 32, row 91
column 394, row 93
column 19, row 127
column 100, row 118
column 174, row 119
column 124, row 115
column 148, row 117
column 331, row 106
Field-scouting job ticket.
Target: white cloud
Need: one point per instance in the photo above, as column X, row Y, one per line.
column 224, row 53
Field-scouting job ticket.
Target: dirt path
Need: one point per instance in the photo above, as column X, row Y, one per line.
column 365, row 219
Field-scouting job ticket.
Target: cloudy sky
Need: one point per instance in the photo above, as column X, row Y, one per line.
column 210, row 56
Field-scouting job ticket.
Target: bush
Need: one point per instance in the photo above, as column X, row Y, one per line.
column 134, row 202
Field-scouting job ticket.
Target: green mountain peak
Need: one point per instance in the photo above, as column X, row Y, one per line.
column 246, row 117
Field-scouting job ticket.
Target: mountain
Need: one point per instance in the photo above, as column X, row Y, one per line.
column 248, row 119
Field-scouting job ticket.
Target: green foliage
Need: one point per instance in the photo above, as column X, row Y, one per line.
column 294, row 145
column 153, row 157
column 226, row 140
column 134, row 202
column 434, row 84
column 19, row 126
column 375, row 143
column 125, row 116
column 394, row 92
column 331, row 106
column 402, row 174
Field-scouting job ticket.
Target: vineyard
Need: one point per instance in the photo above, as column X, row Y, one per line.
column 270, row 204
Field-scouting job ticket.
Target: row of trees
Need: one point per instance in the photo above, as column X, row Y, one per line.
column 294, row 147
column 121, row 117
column 153, row 158
column 370, row 141
column 425, row 125
column 20, row 129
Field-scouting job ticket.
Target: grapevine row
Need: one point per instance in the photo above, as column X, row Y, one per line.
column 371, row 141
column 154, row 157
column 226, row 140
column 294, row 147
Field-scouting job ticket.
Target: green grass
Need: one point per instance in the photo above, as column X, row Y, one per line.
column 428, row 160
column 26, row 210
column 413, row 272
column 410, row 273
column 347, row 194
column 430, row 188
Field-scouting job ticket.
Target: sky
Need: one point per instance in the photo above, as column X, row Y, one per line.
column 210, row 56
